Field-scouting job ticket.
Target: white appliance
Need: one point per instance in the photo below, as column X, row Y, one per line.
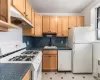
column 16, row 16
column 97, row 74
column 80, row 40
column 18, row 54
column 96, row 56
column 64, row 60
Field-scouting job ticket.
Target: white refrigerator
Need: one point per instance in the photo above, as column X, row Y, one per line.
column 80, row 40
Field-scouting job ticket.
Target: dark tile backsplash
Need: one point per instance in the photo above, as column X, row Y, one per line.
column 33, row 42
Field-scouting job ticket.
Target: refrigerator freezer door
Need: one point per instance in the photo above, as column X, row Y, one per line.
column 83, row 35
column 80, row 35
column 64, row 60
column 82, row 58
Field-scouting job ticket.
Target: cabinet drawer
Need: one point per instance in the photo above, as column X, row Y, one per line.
column 54, row 52
column 45, row 51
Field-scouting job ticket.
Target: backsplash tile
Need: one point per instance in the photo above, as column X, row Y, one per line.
column 33, row 42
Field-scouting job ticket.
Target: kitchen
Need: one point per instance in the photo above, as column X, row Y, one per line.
column 48, row 40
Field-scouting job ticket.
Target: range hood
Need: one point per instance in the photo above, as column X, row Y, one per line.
column 18, row 19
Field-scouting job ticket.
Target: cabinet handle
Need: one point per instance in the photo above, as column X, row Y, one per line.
column 26, row 15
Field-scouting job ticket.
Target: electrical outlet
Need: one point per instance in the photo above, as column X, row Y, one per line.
column 62, row 42
column 28, row 43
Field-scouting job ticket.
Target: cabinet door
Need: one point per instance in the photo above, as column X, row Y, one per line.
column 28, row 31
column 53, row 24
column 72, row 21
column 19, row 5
column 46, row 24
column 46, row 62
column 59, row 27
column 65, row 26
column 38, row 25
column 80, row 20
column 27, row 75
column 33, row 18
column 28, row 11
column 53, row 62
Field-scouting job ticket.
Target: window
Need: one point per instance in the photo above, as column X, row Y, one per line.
column 98, row 23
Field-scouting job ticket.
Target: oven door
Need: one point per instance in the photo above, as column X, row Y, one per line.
column 37, row 74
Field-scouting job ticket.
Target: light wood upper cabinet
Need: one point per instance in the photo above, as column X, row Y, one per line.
column 59, row 27
column 33, row 18
column 80, row 20
column 72, row 21
column 53, row 24
column 65, row 26
column 24, row 8
column 28, row 11
column 46, row 24
column 38, row 25
column 28, row 31
column 62, row 30
column 19, row 5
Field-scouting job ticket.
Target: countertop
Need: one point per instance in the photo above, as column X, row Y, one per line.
column 58, row 48
column 13, row 71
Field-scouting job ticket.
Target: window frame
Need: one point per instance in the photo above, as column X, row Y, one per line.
column 97, row 18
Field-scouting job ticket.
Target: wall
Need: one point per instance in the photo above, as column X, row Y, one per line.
column 87, row 12
column 90, row 20
column 29, row 42
column 13, row 36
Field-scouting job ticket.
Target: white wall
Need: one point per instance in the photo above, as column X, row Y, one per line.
column 90, row 20
column 87, row 12
column 13, row 36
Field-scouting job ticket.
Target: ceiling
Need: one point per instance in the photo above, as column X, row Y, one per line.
column 59, row 6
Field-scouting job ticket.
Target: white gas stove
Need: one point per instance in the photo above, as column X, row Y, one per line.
column 18, row 54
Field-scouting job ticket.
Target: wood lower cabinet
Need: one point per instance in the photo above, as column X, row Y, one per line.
column 46, row 63
column 27, row 75
column 50, row 60
column 53, row 62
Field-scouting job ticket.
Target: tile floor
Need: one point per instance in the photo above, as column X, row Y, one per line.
column 66, row 76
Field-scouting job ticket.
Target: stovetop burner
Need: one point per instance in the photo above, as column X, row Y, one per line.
column 31, row 52
column 22, row 58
